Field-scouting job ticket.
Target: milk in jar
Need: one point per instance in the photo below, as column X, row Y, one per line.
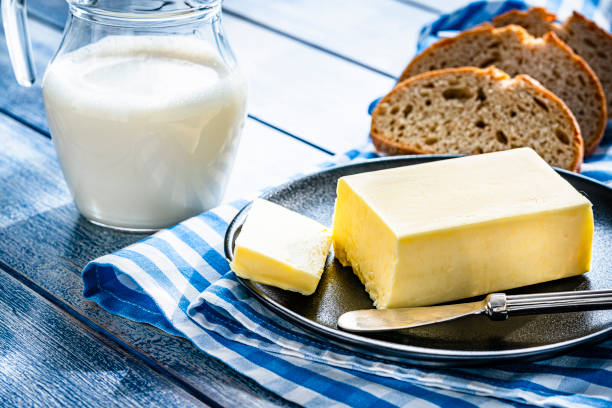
column 145, row 127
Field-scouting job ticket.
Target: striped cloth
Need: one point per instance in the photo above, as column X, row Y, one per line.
column 179, row 281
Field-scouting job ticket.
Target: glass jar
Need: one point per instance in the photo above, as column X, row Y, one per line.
column 145, row 105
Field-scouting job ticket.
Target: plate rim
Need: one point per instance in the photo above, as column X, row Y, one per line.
column 395, row 351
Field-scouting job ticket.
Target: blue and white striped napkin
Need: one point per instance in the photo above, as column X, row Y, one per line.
column 179, row 281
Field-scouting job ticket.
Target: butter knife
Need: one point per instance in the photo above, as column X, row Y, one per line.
column 497, row 306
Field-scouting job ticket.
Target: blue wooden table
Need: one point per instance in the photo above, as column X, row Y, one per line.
column 313, row 65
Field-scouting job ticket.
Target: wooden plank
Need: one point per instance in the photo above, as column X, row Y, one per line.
column 382, row 37
column 313, row 95
column 266, row 158
column 54, row 12
column 430, row 7
column 51, row 247
column 295, row 87
column 49, row 359
column 447, row 6
column 22, row 147
column 26, row 103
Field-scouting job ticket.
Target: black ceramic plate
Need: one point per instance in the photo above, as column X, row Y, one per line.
column 469, row 341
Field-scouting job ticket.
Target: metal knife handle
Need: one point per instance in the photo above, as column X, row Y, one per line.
column 500, row 306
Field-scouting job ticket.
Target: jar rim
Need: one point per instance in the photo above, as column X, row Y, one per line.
column 166, row 14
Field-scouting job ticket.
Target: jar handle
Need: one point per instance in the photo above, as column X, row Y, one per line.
column 18, row 41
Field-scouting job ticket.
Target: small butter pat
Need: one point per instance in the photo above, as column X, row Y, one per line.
column 281, row 248
column 452, row 229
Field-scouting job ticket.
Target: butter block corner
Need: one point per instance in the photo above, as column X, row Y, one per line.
column 281, row 248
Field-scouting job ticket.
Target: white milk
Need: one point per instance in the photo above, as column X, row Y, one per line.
column 145, row 128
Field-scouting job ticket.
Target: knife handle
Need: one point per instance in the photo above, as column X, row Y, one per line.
column 500, row 305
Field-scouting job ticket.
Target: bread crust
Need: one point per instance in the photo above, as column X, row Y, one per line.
column 562, row 30
column 540, row 12
column 578, row 142
column 407, row 73
column 550, row 38
column 591, row 25
column 551, row 19
column 384, row 144
column 589, row 149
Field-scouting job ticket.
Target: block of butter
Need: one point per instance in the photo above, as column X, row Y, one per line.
column 446, row 230
column 281, row 248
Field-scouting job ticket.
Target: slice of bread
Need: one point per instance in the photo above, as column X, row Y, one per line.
column 546, row 59
column 583, row 36
column 471, row 110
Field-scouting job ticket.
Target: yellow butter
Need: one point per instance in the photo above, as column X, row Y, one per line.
column 281, row 248
column 441, row 231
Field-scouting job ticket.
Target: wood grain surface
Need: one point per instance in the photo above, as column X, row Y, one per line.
column 381, row 38
column 315, row 95
column 25, row 104
column 46, row 355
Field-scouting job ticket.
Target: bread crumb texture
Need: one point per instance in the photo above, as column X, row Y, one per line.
column 471, row 111
column 513, row 50
column 584, row 37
